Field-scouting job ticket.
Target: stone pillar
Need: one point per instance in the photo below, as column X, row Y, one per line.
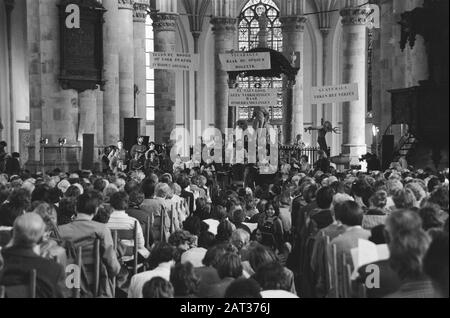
column 354, row 43
column 293, row 32
column 164, row 27
column 224, row 29
column 139, row 16
column 111, row 118
column 126, row 61
column 11, row 120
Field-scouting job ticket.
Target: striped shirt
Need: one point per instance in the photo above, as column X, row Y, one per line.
column 120, row 220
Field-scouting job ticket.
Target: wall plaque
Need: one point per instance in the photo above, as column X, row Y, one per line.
column 81, row 44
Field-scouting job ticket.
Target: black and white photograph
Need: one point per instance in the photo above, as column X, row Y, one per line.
column 230, row 156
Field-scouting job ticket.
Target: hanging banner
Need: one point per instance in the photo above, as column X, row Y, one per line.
column 335, row 94
column 252, row 97
column 174, row 61
column 242, row 61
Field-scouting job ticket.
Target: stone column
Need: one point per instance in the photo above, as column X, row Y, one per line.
column 111, row 118
column 164, row 27
column 126, row 61
column 224, row 29
column 293, row 32
column 9, row 6
column 354, row 43
column 139, row 16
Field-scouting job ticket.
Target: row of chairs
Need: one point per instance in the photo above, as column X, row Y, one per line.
column 118, row 237
column 339, row 275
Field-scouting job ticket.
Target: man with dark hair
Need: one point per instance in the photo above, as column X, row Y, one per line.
column 23, row 256
column 162, row 260
column 351, row 216
column 243, row 288
column 12, row 166
column 184, row 280
column 83, row 231
column 158, row 288
column 272, row 276
column 229, row 268
column 121, row 221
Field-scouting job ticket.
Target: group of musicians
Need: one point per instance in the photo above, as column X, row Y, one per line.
column 140, row 157
column 145, row 157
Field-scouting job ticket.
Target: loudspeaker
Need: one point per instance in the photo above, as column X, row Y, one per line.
column 88, row 152
column 388, row 150
column 131, row 132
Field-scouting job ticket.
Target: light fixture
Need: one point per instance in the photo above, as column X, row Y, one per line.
column 62, row 141
column 375, row 130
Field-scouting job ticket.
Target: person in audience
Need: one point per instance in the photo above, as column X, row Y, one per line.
column 243, row 288
column 23, row 255
column 155, row 207
column 17, row 204
column 162, row 260
column 436, row 264
column 50, row 246
column 272, row 276
column 430, row 218
column 404, row 199
column 408, row 245
column 184, row 280
column 259, row 255
column 271, row 226
column 351, row 216
column 229, row 268
column 121, row 221
column 376, row 215
column 83, row 231
column 158, row 288
column 224, row 232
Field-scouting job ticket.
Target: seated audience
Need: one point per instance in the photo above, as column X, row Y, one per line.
column 23, row 255
column 161, row 261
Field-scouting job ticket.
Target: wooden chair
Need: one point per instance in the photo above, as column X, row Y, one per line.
column 96, row 269
column 148, row 234
column 121, row 235
column 332, row 263
column 25, row 291
column 328, row 267
column 346, row 278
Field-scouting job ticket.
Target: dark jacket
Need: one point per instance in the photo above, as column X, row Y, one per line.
column 19, row 262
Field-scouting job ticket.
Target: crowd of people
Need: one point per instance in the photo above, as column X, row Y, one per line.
column 198, row 238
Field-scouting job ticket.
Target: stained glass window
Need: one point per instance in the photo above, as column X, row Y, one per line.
column 150, row 73
column 250, row 37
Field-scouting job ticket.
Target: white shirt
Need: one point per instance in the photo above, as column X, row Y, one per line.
column 194, row 256
column 138, row 281
column 119, row 220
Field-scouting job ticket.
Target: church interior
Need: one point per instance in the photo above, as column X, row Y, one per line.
column 401, row 71
column 224, row 149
